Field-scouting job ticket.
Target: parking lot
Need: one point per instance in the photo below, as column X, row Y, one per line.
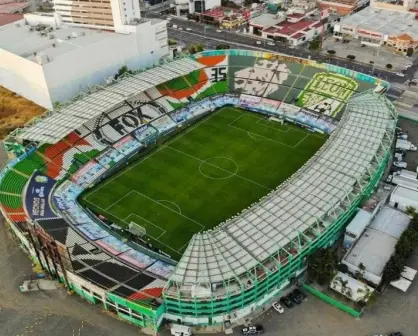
column 394, row 311
column 411, row 158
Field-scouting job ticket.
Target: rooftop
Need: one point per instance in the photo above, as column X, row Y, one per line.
column 9, row 18
column 385, row 21
column 294, row 30
column 24, row 40
column 266, row 20
column 406, row 192
column 359, row 222
column 10, row 6
column 376, row 245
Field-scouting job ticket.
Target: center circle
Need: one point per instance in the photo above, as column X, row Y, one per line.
column 218, row 168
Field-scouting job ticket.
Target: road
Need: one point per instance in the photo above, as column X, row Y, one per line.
column 210, row 38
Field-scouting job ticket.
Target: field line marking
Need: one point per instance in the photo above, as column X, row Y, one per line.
column 116, row 202
column 92, row 242
column 267, row 138
column 301, row 140
column 237, row 118
column 174, row 203
column 273, row 128
column 123, row 171
column 151, row 199
column 148, row 221
column 242, row 177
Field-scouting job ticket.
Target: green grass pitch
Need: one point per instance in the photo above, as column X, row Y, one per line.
column 203, row 176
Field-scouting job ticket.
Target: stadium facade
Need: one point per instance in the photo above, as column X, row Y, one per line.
column 226, row 273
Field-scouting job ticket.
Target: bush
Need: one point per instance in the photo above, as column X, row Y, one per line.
column 331, row 52
column 351, row 57
column 389, row 66
column 409, row 52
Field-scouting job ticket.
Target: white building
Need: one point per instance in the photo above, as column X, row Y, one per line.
column 356, row 227
column 104, row 14
column 195, row 6
column 403, row 197
column 54, row 62
column 376, row 245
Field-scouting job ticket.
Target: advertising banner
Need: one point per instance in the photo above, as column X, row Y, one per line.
column 137, row 258
column 37, row 200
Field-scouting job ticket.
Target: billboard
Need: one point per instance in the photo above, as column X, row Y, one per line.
column 37, row 198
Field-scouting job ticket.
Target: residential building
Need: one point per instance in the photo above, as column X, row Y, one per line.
column 103, row 14
column 396, row 30
column 46, row 61
column 370, row 253
column 195, row 6
column 343, row 7
column 294, row 27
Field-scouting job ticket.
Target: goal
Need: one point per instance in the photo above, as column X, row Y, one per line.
column 137, row 229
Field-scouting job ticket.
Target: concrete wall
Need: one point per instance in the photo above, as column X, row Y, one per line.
column 24, row 77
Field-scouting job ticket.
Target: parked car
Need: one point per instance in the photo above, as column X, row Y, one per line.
column 400, row 164
column 277, row 307
column 286, row 302
column 400, row 74
column 395, row 333
column 271, row 44
column 300, row 293
column 219, row 31
column 258, row 42
column 296, row 299
column 252, row 330
column 188, row 29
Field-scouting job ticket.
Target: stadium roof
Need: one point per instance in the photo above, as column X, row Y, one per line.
column 56, row 125
column 315, row 194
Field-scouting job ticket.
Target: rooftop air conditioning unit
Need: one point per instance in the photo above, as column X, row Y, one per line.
column 74, row 34
column 17, row 25
column 83, row 34
column 51, row 36
column 68, row 37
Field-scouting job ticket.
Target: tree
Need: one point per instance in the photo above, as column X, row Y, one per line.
column 389, row 66
column 393, row 269
column 122, row 71
column 411, row 211
column 172, row 42
column 409, row 52
column 315, row 43
column 195, row 48
column 351, row 57
column 322, row 264
column 368, row 296
column 331, row 52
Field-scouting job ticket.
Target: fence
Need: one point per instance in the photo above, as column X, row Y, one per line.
column 332, row 301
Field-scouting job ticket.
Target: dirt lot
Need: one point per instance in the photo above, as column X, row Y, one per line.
column 15, row 111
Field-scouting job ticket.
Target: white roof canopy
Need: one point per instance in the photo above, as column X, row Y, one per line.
column 55, row 126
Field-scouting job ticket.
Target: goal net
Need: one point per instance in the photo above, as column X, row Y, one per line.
column 136, row 229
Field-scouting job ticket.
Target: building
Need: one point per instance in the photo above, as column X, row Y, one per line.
column 405, row 178
column 227, row 17
column 45, row 61
column 398, row 5
column 343, row 7
column 404, row 197
column 104, row 14
column 374, row 248
column 375, row 27
column 195, row 6
column 294, row 27
column 356, row 227
column 9, row 18
column 11, row 6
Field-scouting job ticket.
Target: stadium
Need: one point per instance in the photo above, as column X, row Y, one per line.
column 194, row 191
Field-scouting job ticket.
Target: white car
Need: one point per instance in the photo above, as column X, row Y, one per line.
column 258, row 42
column 270, row 43
column 219, row 31
column 400, row 74
column 188, row 29
column 277, row 307
column 180, row 28
column 400, row 164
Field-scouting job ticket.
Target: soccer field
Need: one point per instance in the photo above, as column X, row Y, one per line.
column 203, row 176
